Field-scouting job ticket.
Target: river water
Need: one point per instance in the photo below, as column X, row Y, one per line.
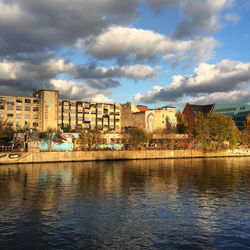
column 153, row 204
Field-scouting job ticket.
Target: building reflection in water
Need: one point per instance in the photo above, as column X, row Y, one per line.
column 145, row 195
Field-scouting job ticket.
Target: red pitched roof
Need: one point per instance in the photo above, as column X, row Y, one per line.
column 142, row 108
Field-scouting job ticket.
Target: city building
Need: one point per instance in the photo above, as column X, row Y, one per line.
column 150, row 120
column 238, row 112
column 45, row 110
column 190, row 112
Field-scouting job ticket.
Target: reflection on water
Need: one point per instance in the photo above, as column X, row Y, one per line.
column 199, row 203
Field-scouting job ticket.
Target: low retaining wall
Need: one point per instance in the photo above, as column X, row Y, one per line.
column 40, row 157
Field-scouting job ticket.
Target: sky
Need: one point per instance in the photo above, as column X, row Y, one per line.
column 149, row 52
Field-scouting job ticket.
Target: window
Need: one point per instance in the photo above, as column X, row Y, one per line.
column 27, row 116
column 19, row 100
column 10, row 107
column 1, row 106
column 27, row 124
column 2, row 99
column 99, row 112
column 18, row 124
column 9, row 123
column 10, row 99
column 19, row 116
column 35, row 124
column 2, row 115
column 10, row 115
column 35, row 116
column 35, row 101
column 86, row 105
column 19, row 108
column 27, row 100
column 86, row 111
column 35, row 109
column 27, row 108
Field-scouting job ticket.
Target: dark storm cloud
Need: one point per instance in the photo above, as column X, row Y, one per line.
column 137, row 71
column 28, row 26
column 199, row 16
column 103, row 83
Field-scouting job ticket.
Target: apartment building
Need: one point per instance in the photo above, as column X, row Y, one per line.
column 21, row 111
column 79, row 114
column 45, row 110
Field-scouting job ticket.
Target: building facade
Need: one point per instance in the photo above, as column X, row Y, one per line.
column 150, row 120
column 190, row 112
column 45, row 110
column 238, row 112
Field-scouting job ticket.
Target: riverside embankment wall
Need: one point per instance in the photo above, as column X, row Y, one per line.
column 42, row 157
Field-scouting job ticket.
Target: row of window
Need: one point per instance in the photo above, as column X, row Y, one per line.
column 18, row 100
column 87, row 125
column 27, row 124
column 224, row 110
column 93, row 119
column 89, row 105
column 26, row 108
column 19, row 116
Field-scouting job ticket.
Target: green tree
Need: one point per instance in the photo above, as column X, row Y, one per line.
column 201, row 131
column 182, row 125
column 89, row 137
column 246, row 132
column 215, row 132
column 6, row 131
column 137, row 137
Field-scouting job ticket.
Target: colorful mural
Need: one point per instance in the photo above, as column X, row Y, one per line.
column 61, row 142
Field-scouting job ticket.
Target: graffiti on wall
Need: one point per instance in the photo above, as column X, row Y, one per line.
column 150, row 121
column 60, row 142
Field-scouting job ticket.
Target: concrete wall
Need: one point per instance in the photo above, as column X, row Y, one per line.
column 112, row 155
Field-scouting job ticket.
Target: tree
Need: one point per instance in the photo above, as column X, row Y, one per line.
column 6, row 131
column 137, row 137
column 49, row 136
column 201, row 131
column 182, row 125
column 216, row 131
column 246, row 132
column 89, row 137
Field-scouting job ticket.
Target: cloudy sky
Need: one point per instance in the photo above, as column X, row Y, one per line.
column 151, row 52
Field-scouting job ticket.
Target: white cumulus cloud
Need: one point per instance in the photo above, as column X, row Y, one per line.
column 139, row 44
column 222, row 77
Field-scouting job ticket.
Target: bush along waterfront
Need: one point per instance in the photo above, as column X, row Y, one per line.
column 213, row 132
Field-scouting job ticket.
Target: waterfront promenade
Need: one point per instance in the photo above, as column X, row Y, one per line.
column 77, row 156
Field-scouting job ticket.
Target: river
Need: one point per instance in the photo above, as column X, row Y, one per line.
column 153, row 204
